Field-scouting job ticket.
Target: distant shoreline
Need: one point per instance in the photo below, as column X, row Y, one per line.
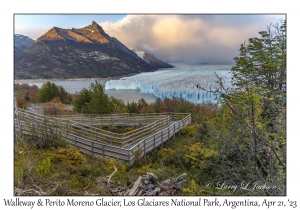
column 70, row 79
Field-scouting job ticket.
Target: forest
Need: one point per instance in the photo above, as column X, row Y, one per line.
column 234, row 147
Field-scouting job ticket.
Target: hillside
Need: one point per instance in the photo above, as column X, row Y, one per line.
column 21, row 42
column 77, row 53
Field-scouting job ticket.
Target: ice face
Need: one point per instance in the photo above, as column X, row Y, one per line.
column 179, row 82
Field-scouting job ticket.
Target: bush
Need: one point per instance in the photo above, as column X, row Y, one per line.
column 189, row 130
column 44, row 168
column 54, row 107
column 21, row 103
column 85, row 170
column 128, row 129
column 69, row 155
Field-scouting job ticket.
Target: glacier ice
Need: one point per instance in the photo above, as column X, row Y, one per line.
column 179, row 82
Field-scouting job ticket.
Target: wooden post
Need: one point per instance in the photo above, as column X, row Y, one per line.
column 75, row 141
column 16, row 142
column 18, row 120
column 174, row 131
column 162, row 139
column 168, row 135
column 134, row 121
column 154, row 145
column 145, row 148
column 132, row 136
column 103, row 156
column 56, row 126
column 92, row 148
column 129, row 154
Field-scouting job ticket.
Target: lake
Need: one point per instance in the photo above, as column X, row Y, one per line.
column 180, row 81
column 125, row 95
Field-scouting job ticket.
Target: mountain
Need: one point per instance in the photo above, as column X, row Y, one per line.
column 21, row 42
column 151, row 59
column 77, row 53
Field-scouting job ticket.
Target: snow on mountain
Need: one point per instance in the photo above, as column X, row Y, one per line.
column 151, row 59
column 180, row 82
column 140, row 53
column 21, row 42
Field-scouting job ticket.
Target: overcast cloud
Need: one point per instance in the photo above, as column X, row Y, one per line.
column 173, row 38
column 189, row 38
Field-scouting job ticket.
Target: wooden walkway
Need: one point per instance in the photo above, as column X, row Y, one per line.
column 85, row 133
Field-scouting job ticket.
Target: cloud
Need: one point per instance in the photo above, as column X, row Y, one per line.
column 189, row 38
column 31, row 32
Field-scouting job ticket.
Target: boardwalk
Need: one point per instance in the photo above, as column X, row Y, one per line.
column 85, row 133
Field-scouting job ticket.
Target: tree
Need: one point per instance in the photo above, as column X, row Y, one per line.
column 92, row 100
column 99, row 103
column 133, row 107
column 49, row 91
column 64, row 96
column 250, row 127
column 262, row 62
column 81, row 101
column 117, row 106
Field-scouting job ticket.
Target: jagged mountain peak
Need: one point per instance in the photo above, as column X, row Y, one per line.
column 52, row 34
column 94, row 32
column 84, row 52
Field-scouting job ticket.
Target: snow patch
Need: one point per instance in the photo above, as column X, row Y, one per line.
column 140, row 54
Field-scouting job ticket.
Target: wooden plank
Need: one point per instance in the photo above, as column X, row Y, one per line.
column 135, row 186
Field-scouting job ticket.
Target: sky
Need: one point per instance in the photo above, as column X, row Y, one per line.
column 189, row 38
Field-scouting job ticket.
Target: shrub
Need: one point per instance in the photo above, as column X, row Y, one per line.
column 128, row 129
column 21, row 103
column 69, row 155
column 45, row 167
column 165, row 155
column 189, row 130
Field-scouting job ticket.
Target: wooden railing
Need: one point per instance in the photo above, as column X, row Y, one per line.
column 152, row 130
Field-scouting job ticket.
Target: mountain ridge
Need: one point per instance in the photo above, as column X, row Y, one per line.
column 77, row 53
column 21, row 42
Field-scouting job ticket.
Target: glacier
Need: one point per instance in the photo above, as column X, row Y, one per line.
column 178, row 82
